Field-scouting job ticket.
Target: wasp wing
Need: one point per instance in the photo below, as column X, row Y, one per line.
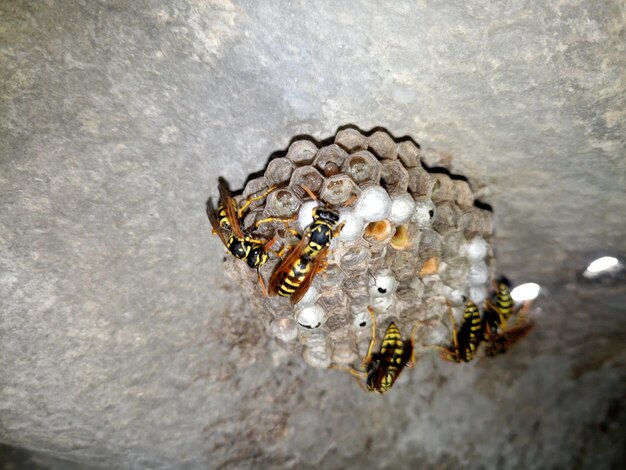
column 230, row 207
column 217, row 229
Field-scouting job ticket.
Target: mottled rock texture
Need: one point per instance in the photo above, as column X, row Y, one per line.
column 121, row 344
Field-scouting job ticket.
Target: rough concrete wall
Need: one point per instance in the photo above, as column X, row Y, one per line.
column 121, row 343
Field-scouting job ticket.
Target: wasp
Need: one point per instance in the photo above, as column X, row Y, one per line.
column 503, row 341
column 382, row 368
column 294, row 275
column 498, row 336
column 226, row 223
column 467, row 338
column 498, row 309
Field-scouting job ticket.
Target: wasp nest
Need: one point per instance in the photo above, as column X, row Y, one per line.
column 413, row 242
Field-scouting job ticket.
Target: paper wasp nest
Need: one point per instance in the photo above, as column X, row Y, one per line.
column 413, row 239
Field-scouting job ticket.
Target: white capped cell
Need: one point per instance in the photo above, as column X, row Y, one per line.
column 384, row 304
column 402, row 208
column 424, row 213
column 478, row 274
column 373, row 204
column 305, row 216
column 353, row 227
column 477, row 249
column 311, row 316
column 363, row 320
column 382, row 284
column 478, row 294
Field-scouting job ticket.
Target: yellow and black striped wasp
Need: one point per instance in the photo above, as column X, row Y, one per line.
column 467, row 338
column 294, row 275
column 501, row 342
column 498, row 309
column 226, row 223
column 498, row 336
column 382, row 368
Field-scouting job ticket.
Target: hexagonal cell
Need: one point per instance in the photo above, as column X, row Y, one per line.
column 338, row 190
column 430, row 267
column 402, row 208
column 279, row 170
column 380, row 231
column 373, row 204
column 345, row 353
column 282, row 203
column 452, row 246
column 478, row 274
column 409, row 154
column 394, row 177
column 477, row 249
column 317, row 357
column 420, row 181
column 356, row 257
column 403, row 265
column 311, row 316
column 338, row 322
column 433, row 158
column 353, row 225
column 443, row 189
column 330, row 159
column 284, row 329
column 384, row 305
column 334, row 300
column 463, row 194
column 476, row 222
column 411, row 292
column 382, row 283
column 356, row 284
column 382, row 145
column 302, row 152
column 424, row 212
column 350, row 140
column 429, row 244
column 453, row 275
column 306, row 176
column 362, row 167
column 446, row 218
column 401, row 238
column 254, row 187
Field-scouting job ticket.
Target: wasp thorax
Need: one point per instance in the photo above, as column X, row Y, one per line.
column 377, row 230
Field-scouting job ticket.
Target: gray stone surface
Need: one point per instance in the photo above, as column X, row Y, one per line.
column 121, row 345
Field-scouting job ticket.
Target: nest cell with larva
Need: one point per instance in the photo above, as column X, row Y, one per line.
column 413, row 242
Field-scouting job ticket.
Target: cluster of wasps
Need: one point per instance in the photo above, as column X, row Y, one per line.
column 295, row 273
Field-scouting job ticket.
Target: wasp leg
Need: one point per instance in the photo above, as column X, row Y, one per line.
column 350, row 200
column 337, row 230
column 359, row 375
column 413, row 333
column 285, row 222
column 455, row 340
column 251, row 199
column 262, row 283
column 367, row 357
column 309, row 192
